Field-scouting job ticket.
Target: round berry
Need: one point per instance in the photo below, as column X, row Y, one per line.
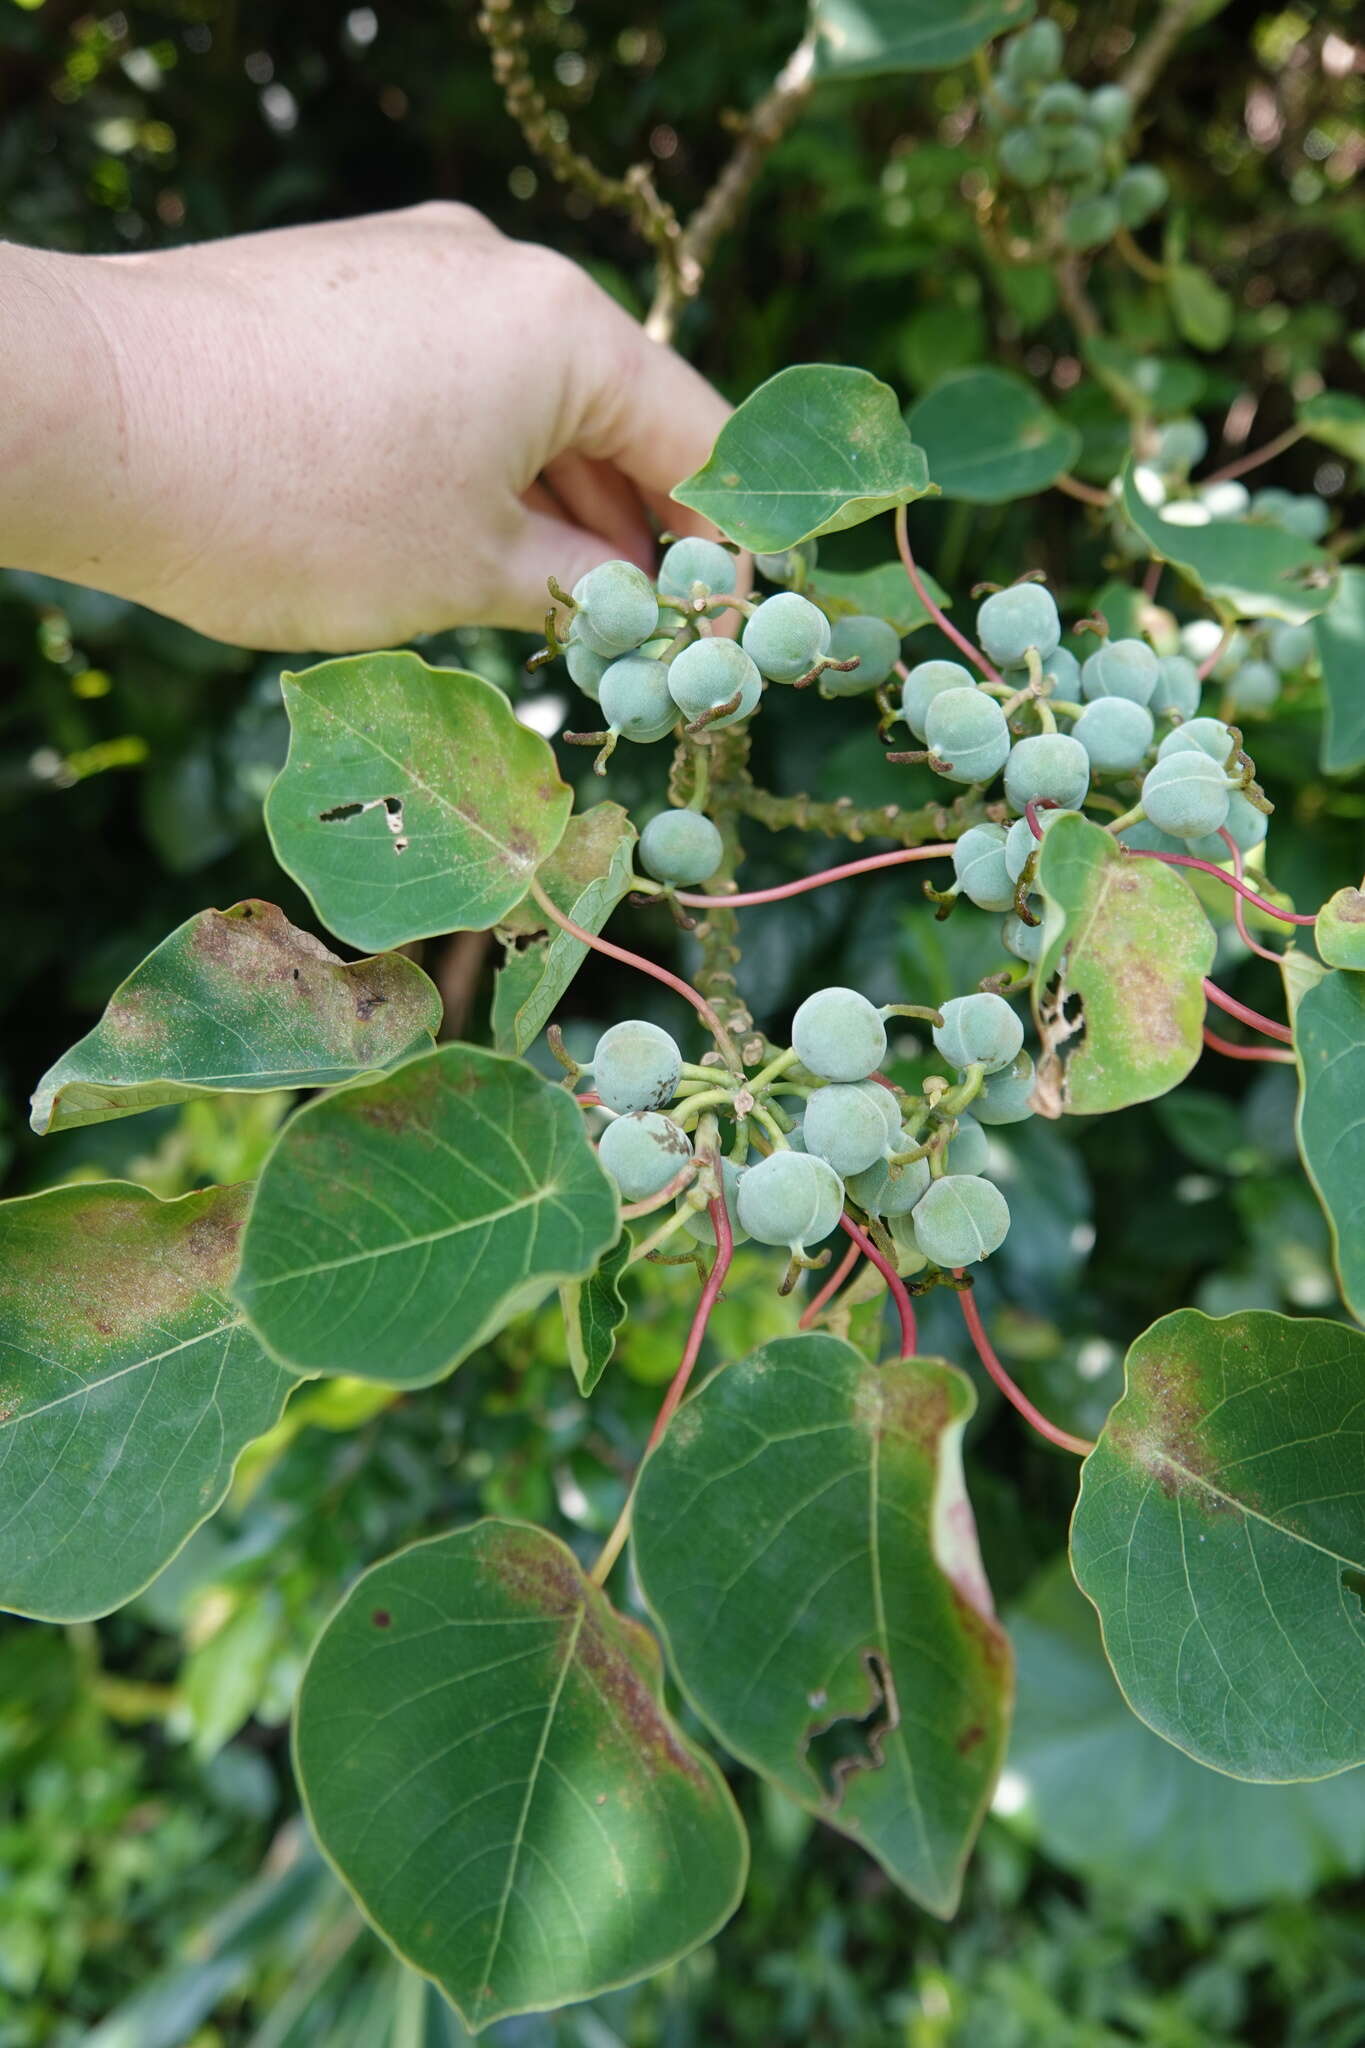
column 1308, row 516
column 1060, row 102
column 885, row 1190
column 1200, row 637
column 790, row 1198
column 1177, row 686
column 1143, row 837
column 711, row 672
column 1076, row 152
column 961, row 1219
column 1140, row 192
column 1006, row 1097
column 1115, row 732
column 586, row 668
column 1121, row 668
column 1291, row 648
column 1200, row 735
column 967, row 733
column 979, row 865
column 851, row 1124
column 1012, row 621
column 1024, row 941
column 1180, row 444
column 968, row 1148
column 1110, row 109
column 1270, row 502
column 1034, row 54
column 1186, row 795
column 1255, row 686
column 617, row 607
column 1244, row 821
column 643, row 1152
column 978, row 1031
column 786, row 637
column 1022, row 842
column 1024, row 158
column 635, row 698
column 1048, row 764
column 1091, row 221
column 874, row 645
column 786, row 567
column 838, row 1035
column 697, row 1222
column 1225, row 499
column 681, row 847
column 635, row 1065
column 696, row 568
column 927, row 680
column 1065, row 672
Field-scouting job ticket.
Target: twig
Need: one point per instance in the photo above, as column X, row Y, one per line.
column 971, row 1316
column 1187, row 860
column 1257, row 456
column 1239, row 916
column 1152, row 54
column 905, row 1308
column 936, row 613
column 808, row 882
column 1088, row 494
column 1244, row 1015
column 1246, row 1052
column 831, row 1286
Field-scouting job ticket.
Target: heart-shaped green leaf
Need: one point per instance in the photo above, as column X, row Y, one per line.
column 804, row 1541
column 594, row 1310
column 586, row 877
column 1340, row 635
column 869, row 38
column 1329, row 1044
column 238, row 999
column 1245, row 566
column 1337, row 419
column 1118, row 992
column 412, row 802
column 989, row 437
column 815, row 449
column 399, row 1223
column 1220, row 1532
column 485, row 1756
column 129, row 1385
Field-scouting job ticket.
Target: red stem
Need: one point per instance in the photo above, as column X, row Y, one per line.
column 971, row 1316
column 1252, row 1018
column 710, row 1294
column 939, row 617
column 905, row 1308
column 1187, row 860
column 831, row 1286
column 1151, row 582
column 1246, row 1052
column 1211, row 661
column 1032, row 808
column 1239, row 915
column 806, row 882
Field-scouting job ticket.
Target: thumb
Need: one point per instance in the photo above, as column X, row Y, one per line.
column 541, row 546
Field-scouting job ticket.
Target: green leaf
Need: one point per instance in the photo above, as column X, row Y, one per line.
column 128, row 1387
column 1220, row 1532
column 1299, row 971
column 1174, row 1836
column 1339, row 933
column 815, row 449
column 881, row 593
column 594, row 1310
column 1245, row 567
column 803, row 1539
column 398, row 1224
column 586, row 877
column 238, row 999
column 1337, row 419
column 412, row 803
column 1340, row 635
column 869, row 38
column 485, row 1756
column 1329, row 1045
column 989, row 437
column 1147, row 383
column 1202, row 310
column 1121, row 606
column 1118, row 993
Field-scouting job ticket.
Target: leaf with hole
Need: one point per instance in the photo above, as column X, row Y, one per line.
column 989, row 437
column 235, row 1000
column 873, row 38
column 129, row 1385
column 1329, row 1045
column 486, row 1759
column 399, row 1223
column 1340, row 635
column 818, row 448
column 586, row 876
column 803, row 1539
column 1220, row 1533
column 1245, row 567
column 412, row 803
column 1118, row 994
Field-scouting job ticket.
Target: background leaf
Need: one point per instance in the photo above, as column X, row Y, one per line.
column 238, row 999
column 128, row 1387
column 1340, row 635
column 1220, row 1532
column 817, row 448
column 594, row 1311
column 802, row 1538
column 868, row 38
column 1247, row 567
column 883, row 593
column 1127, row 940
column 399, row 1224
column 989, row 437
column 1337, row 419
column 1202, row 310
column 412, row 803
column 485, row 1756
column 586, row 876
column 1329, row 1044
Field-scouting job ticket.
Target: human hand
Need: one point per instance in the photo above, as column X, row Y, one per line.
column 335, row 437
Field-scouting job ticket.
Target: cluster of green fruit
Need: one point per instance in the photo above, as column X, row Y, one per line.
column 645, row 652
column 834, row 1132
column 1177, row 445
column 1055, row 137
column 1254, row 662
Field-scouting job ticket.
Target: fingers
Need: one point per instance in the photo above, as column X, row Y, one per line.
column 544, row 545
column 596, row 496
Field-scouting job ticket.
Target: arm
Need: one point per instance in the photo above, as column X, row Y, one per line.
column 335, row 437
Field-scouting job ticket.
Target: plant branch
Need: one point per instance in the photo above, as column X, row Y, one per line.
column 1239, row 916
column 804, row 883
column 1267, row 453
column 936, row 612
column 905, row 1308
column 1253, row 1019
column 831, row 1286
column 1246, row 1052
column 971, row 1316
column 1153, row 53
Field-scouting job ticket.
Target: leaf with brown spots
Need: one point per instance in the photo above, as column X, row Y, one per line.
column 803, row 1539
column 412, row 803
column 1339, row 933
column 586, row 877
column 129, row 1385
column 238, row 1000
column 487, row 1761
column 1329, row 1044
column 1118, row 992
column 1219, row 1532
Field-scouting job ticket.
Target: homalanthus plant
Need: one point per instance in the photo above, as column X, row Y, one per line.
column 483, row 1741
